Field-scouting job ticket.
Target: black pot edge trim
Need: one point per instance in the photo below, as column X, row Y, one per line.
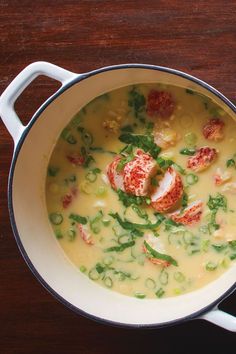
column 10, row 196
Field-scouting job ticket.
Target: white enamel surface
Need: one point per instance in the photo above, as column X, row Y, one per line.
column 36, row 234
column 17, row 86
column 222, row 319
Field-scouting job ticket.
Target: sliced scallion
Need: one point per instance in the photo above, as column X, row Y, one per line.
column 179, row 277
column 82, row 269
column 150, row 283
column 93, row 274
column 163, row 277
column 160, row 292
column 108, row 282
column 210, row 266
column 56, row 218
column 139, row 295
column 191, row 179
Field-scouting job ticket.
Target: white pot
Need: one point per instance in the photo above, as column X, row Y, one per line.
column 41, row 251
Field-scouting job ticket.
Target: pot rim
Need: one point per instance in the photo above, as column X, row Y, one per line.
column 17, row 150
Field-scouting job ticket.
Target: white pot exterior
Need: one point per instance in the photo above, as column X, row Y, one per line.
column 29, row 215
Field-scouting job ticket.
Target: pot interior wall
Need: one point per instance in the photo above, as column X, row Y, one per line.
column 35, row 233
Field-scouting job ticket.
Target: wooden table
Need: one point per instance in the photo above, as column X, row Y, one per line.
column 195, row 36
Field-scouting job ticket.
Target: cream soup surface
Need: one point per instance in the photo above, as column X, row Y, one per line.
column 162, row 221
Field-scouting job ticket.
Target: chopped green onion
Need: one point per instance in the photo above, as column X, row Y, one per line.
column 123, row 239
column 163, row 277
column 82, row 269
column 150, row 283
column 58, row 234
column 177, row 291
column 99, row 268
column 71, row 233
column 225, row 263
column 191, row 179
column 179, row 277
column 189, row 91
column 187, row 151
column 86, row 187
column 56, row 218
column 87, row 138
column 67, row 136
column 106, row 222
column 220, row 247
column 160, row 292
column 230, row 163
column 210, row 266
column 93, row 274
column 53, row 171
column 101, row 191
column 139, row 295
column 190, row 139
column 108, row 282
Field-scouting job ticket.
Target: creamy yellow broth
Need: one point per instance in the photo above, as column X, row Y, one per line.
column 203, row 251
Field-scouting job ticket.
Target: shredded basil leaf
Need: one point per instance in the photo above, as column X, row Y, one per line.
column 79, row 219
column 121, row 247
column 158, row 255
column 187, row 151
column 127, row 225
column 144, row 142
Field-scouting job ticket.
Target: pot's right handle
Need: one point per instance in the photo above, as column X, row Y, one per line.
column 220, row 318
column 17, row 86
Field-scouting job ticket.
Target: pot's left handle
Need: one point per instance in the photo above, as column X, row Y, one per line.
column 17, row 86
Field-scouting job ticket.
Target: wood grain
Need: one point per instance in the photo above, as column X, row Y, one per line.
column 196, row 37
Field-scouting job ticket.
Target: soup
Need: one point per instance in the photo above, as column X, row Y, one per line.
column 141, row 190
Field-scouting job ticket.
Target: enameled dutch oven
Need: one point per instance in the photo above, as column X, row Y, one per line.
column 41, row 251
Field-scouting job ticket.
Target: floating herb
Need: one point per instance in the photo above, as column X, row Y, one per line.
column 144, row 142
column 121, row 247
column 187, row 151
column 158, row 255
column 79, row 219
column 128, row 225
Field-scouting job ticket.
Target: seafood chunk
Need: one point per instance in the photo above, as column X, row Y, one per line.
column 76, row 159
column 221, row 177
column 202, row 159
column 115, row 177
column 169, row 191
column 85, row 235
column 189, row 215
column 155, row 243
column 213, row 129
column 165, row 137
column 160, row 103
column 138, row 173
column 68, row 198
column 229, row 187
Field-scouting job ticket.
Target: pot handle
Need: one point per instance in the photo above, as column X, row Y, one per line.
column 220, row 318
column 17, row 86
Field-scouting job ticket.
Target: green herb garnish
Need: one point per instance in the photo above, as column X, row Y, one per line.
column 53, row 171
column 187, row 151
column 144, row 142
column 121, row 247
column 158, row 255
column 79, row 219
column 128, row 225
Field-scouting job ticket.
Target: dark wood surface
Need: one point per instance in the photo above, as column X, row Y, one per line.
column 194, row 36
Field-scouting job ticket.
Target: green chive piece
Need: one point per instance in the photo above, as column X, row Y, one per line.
column 159, row 293
column 210, row 266
column 56, row 218
column 139, row 295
